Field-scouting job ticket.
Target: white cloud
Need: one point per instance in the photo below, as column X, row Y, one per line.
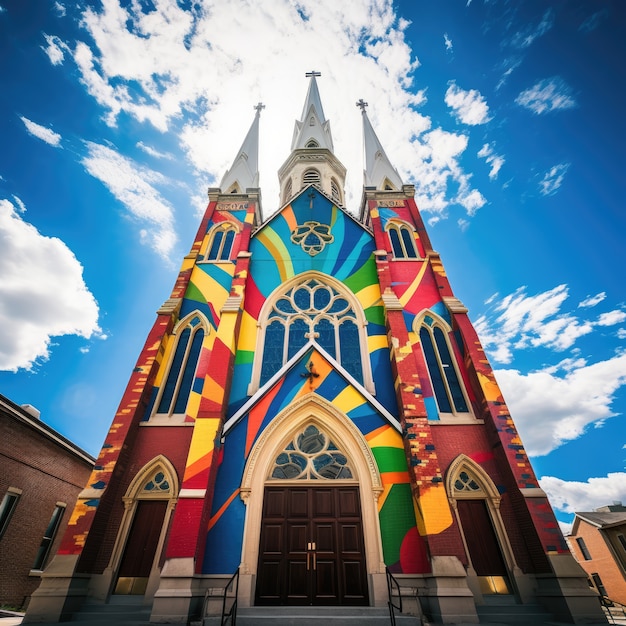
column 591, row 301
column 550, row 94
column 519, row 321
column 55, row 50
column 60, row 8
column 496, row 161
column 573, row 496
column 553, row 179
column 550, row 410
column 164, row 67
column 19, row 204
column 593, row 21
column 525, row 37
column 42, row 293
column 133, row 186
column 448, row 42
column 468, row 107
column 155, row 153
column 610, row 318
column 41, row 132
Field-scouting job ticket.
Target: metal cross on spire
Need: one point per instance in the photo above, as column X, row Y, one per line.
column 313, row 74
column 259, row 107
column 362, row 104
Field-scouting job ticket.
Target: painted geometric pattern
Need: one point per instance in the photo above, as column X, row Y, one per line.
column 403, row 548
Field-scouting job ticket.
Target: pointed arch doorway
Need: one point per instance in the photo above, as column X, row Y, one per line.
column 312, row 537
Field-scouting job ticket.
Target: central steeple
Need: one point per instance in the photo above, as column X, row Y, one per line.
column 312, row 160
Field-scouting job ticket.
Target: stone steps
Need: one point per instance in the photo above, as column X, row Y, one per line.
column 314, row 616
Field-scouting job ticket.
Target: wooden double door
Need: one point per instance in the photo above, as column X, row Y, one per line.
column 311, row 549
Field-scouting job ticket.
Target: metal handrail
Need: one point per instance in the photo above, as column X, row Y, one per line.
column 392, row 584
column 232, row 613
column 608, row 604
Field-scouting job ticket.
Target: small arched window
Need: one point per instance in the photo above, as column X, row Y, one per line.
column 312, row 144
column 311, row 454
column 311, row 177
column 442, row 369
column 221, row 245
column 402, row 239
column 182, row 371
column 334, row 190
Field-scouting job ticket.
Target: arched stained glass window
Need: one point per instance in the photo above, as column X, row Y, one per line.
column 443, row 374
column 221, row 245
column 311, row 310
column 311, row 454
column 402, row 240
column 181, row 374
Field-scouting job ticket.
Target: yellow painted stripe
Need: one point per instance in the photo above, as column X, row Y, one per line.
column 369, row 296
column 376, row 342
column 408, row 294
column 348, row 399
column 386, row 438
column 204, row 433
column 279, row 252
column 247, row 336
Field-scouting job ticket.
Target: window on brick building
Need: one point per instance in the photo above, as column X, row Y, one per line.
column 48, row 538
column 583, row 548
column 221, row 245
column 597, row 581
column 181, row 377
column 622, row 541
column 7, row 508
column 439, row 356
column 402, row 239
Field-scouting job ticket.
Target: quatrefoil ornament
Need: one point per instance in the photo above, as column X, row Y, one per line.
column 312, row 237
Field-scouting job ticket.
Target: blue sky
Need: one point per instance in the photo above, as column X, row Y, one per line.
column 116, row 116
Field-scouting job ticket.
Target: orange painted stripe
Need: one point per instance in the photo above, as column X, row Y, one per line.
column 394, row 477
column 224, row 506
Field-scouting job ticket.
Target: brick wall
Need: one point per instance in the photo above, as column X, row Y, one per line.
column 46, row 472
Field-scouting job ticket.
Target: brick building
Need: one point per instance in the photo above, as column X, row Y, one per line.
column 313, row 408
column 41, row 475
column 598, row 542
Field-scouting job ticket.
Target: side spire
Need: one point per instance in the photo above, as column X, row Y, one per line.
column 378, row 172
column 244, row 172
column 313, row 129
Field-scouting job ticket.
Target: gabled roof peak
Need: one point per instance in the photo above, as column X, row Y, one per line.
column 244, row 172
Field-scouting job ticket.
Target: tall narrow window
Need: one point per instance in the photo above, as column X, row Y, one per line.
column 402, row 240
column 597, row 581
column 443, row 374
column 334, row 190
column 221, row 245
column 48, row 537
column 583, row 548
column 288, row 191
column 311, row 310
column 182, row 370
column 7, row 508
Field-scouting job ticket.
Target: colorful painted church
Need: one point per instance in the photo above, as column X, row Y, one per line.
column 313, row 408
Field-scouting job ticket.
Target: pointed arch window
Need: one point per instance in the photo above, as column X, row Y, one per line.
column 312, row 144
column 312, row 310
column 182, row 371
column 221, row 243
column 334, row 190
column 311, row 454
column 402, row 239
column 311, row 177
column 442, row 369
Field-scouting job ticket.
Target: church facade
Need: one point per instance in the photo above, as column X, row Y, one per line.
column 311, row 408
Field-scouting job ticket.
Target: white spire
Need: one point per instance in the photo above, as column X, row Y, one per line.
column 379, row 172
column 312, row 128
column 244, row 172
